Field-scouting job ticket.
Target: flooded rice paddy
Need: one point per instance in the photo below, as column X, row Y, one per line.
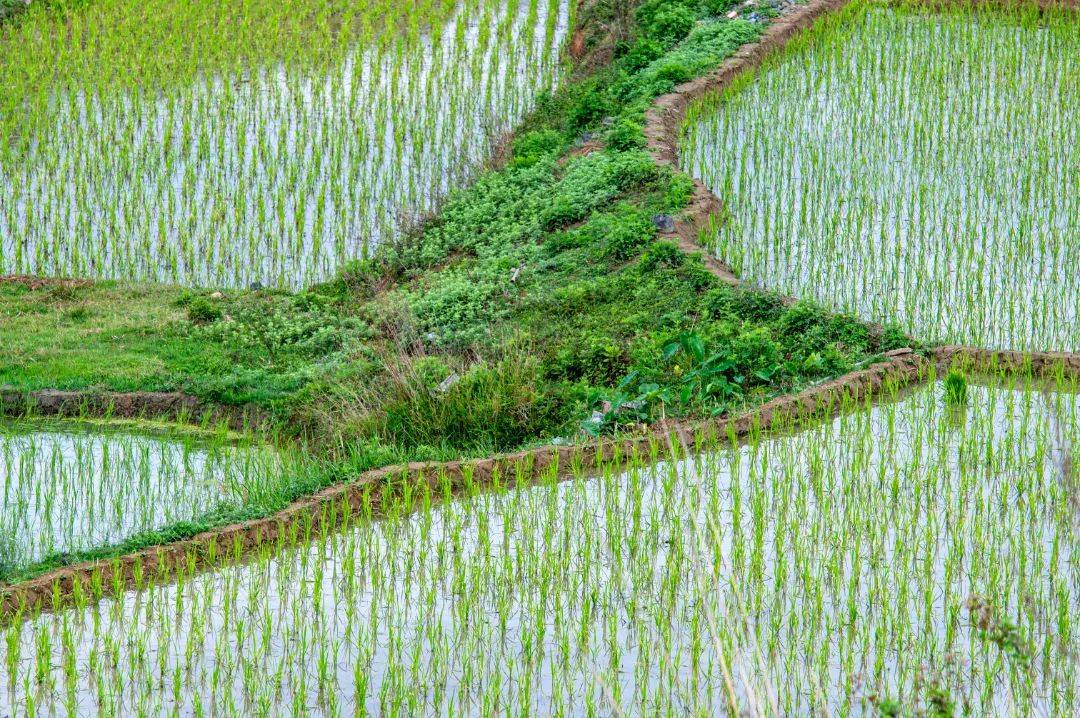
column 913, row 168
column 905, row 552
column 276, row 173
column 67, row 487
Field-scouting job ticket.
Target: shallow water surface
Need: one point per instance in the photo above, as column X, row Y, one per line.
column 917, row 169
column 273, row 175
column 66, row 487
column 806, row 572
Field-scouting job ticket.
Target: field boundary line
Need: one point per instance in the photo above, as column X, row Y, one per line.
column 319, row 512
column 322, row 511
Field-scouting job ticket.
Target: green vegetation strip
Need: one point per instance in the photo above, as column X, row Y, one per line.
column 120, row 566
column 354, row 344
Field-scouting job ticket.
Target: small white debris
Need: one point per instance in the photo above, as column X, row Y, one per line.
column 448, row 382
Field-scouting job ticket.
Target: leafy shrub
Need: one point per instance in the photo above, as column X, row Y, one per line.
column 719, row 7
column 706, row 47
column 598, row 360
column 282, row 331
column 749, row 304
column 531, row 147
column 661, row 255
column 679, row 192
column 589, row 109
column 201, row 310
column 644, row 52
column 615, row 235
column 592, row 181
column 666, row 21
column 357, row 278
column 626, row 135
column 756, row 356
column 456, row 306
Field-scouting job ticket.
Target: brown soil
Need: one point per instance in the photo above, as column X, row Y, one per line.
column 1042, row 365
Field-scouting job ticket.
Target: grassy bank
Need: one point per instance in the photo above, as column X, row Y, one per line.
column 538, row 305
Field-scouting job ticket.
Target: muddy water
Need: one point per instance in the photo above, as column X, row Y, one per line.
column 810, row 571
column 66, row 486
column 275, row 175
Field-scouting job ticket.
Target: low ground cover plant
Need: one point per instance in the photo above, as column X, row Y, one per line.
column 545, row 286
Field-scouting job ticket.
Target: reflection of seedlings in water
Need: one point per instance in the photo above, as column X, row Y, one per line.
column 275, row 172
column 879, row 202
column 1066, row 453
column 67, row 488
column 769, row 577
column 936, row 693
column 1056, row 627
column 998, row 629
column 10, row 553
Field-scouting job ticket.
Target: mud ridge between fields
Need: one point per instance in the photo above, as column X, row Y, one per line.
column 164, row 406
column 899, row 368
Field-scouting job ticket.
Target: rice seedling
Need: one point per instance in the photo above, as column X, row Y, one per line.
column 888, row 562
column 917, row 168
column 216, row 157
column 66, row 488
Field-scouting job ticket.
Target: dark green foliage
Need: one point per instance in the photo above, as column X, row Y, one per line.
column 662, row 255
column 589, row 108
column 718, row 7
column 542, row 285
column 668, row 25
column 616, row 235
column 679, row 193
column 531, row 147
column 754, row 306
column 597, row 359
column 643, row 53
column 626, row 134
column 201, row 310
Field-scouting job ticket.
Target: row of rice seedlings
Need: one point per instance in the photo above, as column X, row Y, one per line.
column 65, row 489
column 901, row 557
column 275, row 174
column 912, row 168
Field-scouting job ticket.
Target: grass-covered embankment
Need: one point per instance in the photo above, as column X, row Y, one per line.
column 539, row 304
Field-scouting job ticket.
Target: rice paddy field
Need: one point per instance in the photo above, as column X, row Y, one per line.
column 913, row 553
column 270, row 155
column 69, row 487
column 899, row 553
column 912, row 167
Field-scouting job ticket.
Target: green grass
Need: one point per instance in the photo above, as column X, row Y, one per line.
column 543, row 286
column 109, row 336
